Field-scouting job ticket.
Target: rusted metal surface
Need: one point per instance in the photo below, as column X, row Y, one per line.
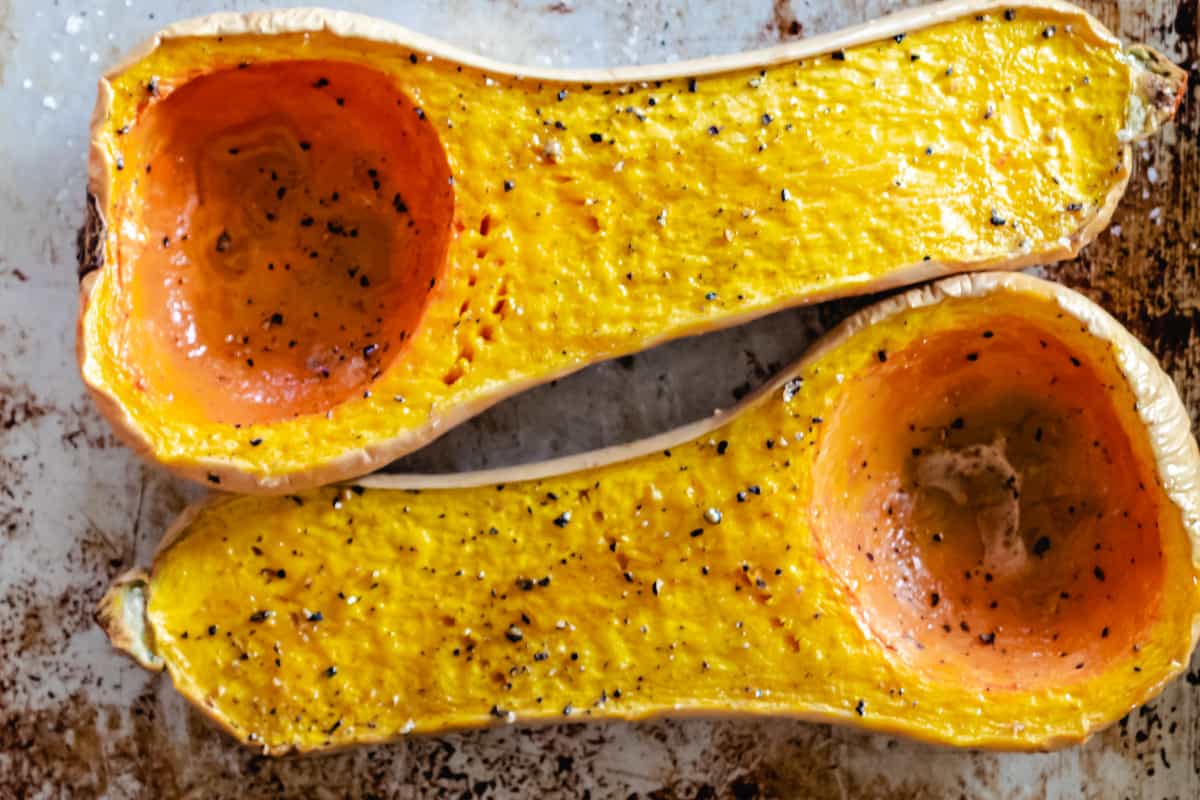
column 76, row 509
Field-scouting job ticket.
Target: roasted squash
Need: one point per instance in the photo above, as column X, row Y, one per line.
column 970, row 516
column 317, row 240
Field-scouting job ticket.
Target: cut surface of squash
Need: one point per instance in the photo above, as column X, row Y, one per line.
column 285, row 283
column 321, row 240
column 969, row 516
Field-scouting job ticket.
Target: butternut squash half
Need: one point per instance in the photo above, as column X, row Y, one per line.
column 971, row 515
column 318, row 240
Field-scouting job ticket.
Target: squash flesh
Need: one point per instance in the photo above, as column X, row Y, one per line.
column 1087, row 545
column 341, row 616
column 287, row 263
column 962, row 144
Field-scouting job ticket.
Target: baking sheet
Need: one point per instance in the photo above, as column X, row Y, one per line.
column 76, row 720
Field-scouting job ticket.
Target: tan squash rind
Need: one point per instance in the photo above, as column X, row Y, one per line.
column 1158, row 90
column 1159, row 407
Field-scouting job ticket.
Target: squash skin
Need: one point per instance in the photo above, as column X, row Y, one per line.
column 459, row 362
column 810, row 649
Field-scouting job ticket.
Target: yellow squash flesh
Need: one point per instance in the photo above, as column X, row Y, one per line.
column 969, row 516
column 318, row 240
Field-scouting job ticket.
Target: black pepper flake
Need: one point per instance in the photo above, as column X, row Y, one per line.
column 766, row 119
column 1074, row 206
column 334, row 727
column 306, row 221
column 882, row 356
column 563, row 519
column 541, row 655
column 596, row 137
column 330, row 671
column 722, row 446
column 1048, row 32
column 281, row 573
column 987, row 638
column 420, row 113
column 256, row 441
column 838, row 55
column 972, row 356
column 562, row 95
column 958, row 423
column 996, row 218
column 514, row 634
column 223, row 242
column 320, row 83
column 261, row 616
column 316, row 616
column 1041, row 546
column 692, row 85
column 697, row 532
column 1099, row 573
column 305, row 145
column 509, row 186
column 1104, row 632
column 152, row 86
column 213, row 478
column 785, row 195
column 369, row 350
column 713, row 130
column 568, row 709
column 1010, row 14
column 212, row 630
column 861, row 708
column 710, row 296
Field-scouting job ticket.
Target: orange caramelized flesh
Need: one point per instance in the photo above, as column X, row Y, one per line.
column 998, row 528
column 283, row 262
column 982, row 540
column 326, row 242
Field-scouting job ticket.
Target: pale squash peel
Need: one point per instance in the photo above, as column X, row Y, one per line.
column 821, row 552
column 316, row 241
